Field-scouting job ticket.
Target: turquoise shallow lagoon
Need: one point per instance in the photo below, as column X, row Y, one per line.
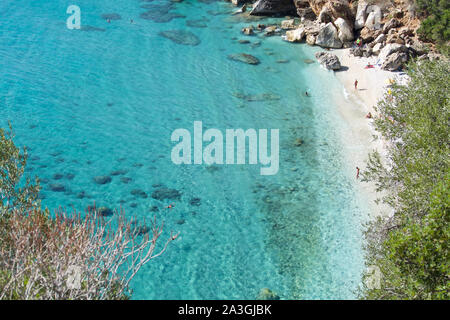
column 107, row 98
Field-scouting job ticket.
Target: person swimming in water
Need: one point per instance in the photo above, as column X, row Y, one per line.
column 170, row 206
column 306, row 93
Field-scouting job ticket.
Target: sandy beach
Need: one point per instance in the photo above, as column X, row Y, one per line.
column 372, row 86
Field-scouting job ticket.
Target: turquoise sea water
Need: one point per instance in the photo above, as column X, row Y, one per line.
column 107, row 98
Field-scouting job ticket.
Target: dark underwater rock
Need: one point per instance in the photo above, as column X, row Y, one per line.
column 166, row 193
column 257, row 97
column 102, row 179
column 118, row 172
column 91, row 28
column 57, row 187
column 160, row 17
column 195, row 202
column 196, row 23
column 57, row 176
column 111, row 16
column 141, row 230
column 70, row 176
column 139, row 193
column 183, row 37
column 105, row 212
column 244, row 57
column 125, row 179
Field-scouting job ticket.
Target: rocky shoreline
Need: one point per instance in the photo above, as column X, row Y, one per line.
column 387, row 30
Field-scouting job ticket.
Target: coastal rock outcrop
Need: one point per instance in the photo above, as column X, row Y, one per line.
column 295, row 35
column 395, row 61
column 328, row 37
column 328, row 60
column 273, row 7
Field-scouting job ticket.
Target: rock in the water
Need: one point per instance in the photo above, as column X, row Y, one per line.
column 125, row 180
column 248, row 31
column 141, row 230
column 273, row 8
column 244, row 57
column 181, row 37
column 196, row 23
column 105, row 212
column 139, row 193
column 166, row 193
column 288, row 24
column 57, row 176
column 361, row 15
column 57, row 187
column 102, row 179
column 195, row 201
column 295, row 35
column 328, row 37
column 311, row 39
column 267, row 294
column 345, row 31
column 111, row 16
column 395, row 61
column 328, row 60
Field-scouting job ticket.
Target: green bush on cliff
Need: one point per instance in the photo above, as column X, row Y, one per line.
column 411, row 248
column 436, row 26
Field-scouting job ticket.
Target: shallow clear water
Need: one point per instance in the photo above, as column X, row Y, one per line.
column 89, row 102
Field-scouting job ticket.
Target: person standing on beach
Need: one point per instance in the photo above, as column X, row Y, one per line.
column 356, row 84
column 357, row 172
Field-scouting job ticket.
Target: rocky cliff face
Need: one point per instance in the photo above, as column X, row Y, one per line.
column 274, row 7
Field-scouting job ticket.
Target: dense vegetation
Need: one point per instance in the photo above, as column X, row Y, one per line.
column 64, row 256
column 436, row 26
column 411, row 247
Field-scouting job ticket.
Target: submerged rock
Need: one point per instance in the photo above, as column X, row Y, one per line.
column 139, row 193
column 257, row 97
column 196, row 24
column 244, row 57
column 57, row 187
column 181, row 37
column 195, row 202
column 166, row 193
column 91, row 28
column 125, row 180
column 141, row 230
column 160, row 18
column 267, row 294
column 102, row 179
column 111, row 16
column 105, row 212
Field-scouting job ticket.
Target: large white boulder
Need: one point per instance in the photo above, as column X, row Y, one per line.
column 374, row 17
column 345, row 31
column 361, row 15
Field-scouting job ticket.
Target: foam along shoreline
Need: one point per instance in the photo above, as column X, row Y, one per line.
column 372, row 86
